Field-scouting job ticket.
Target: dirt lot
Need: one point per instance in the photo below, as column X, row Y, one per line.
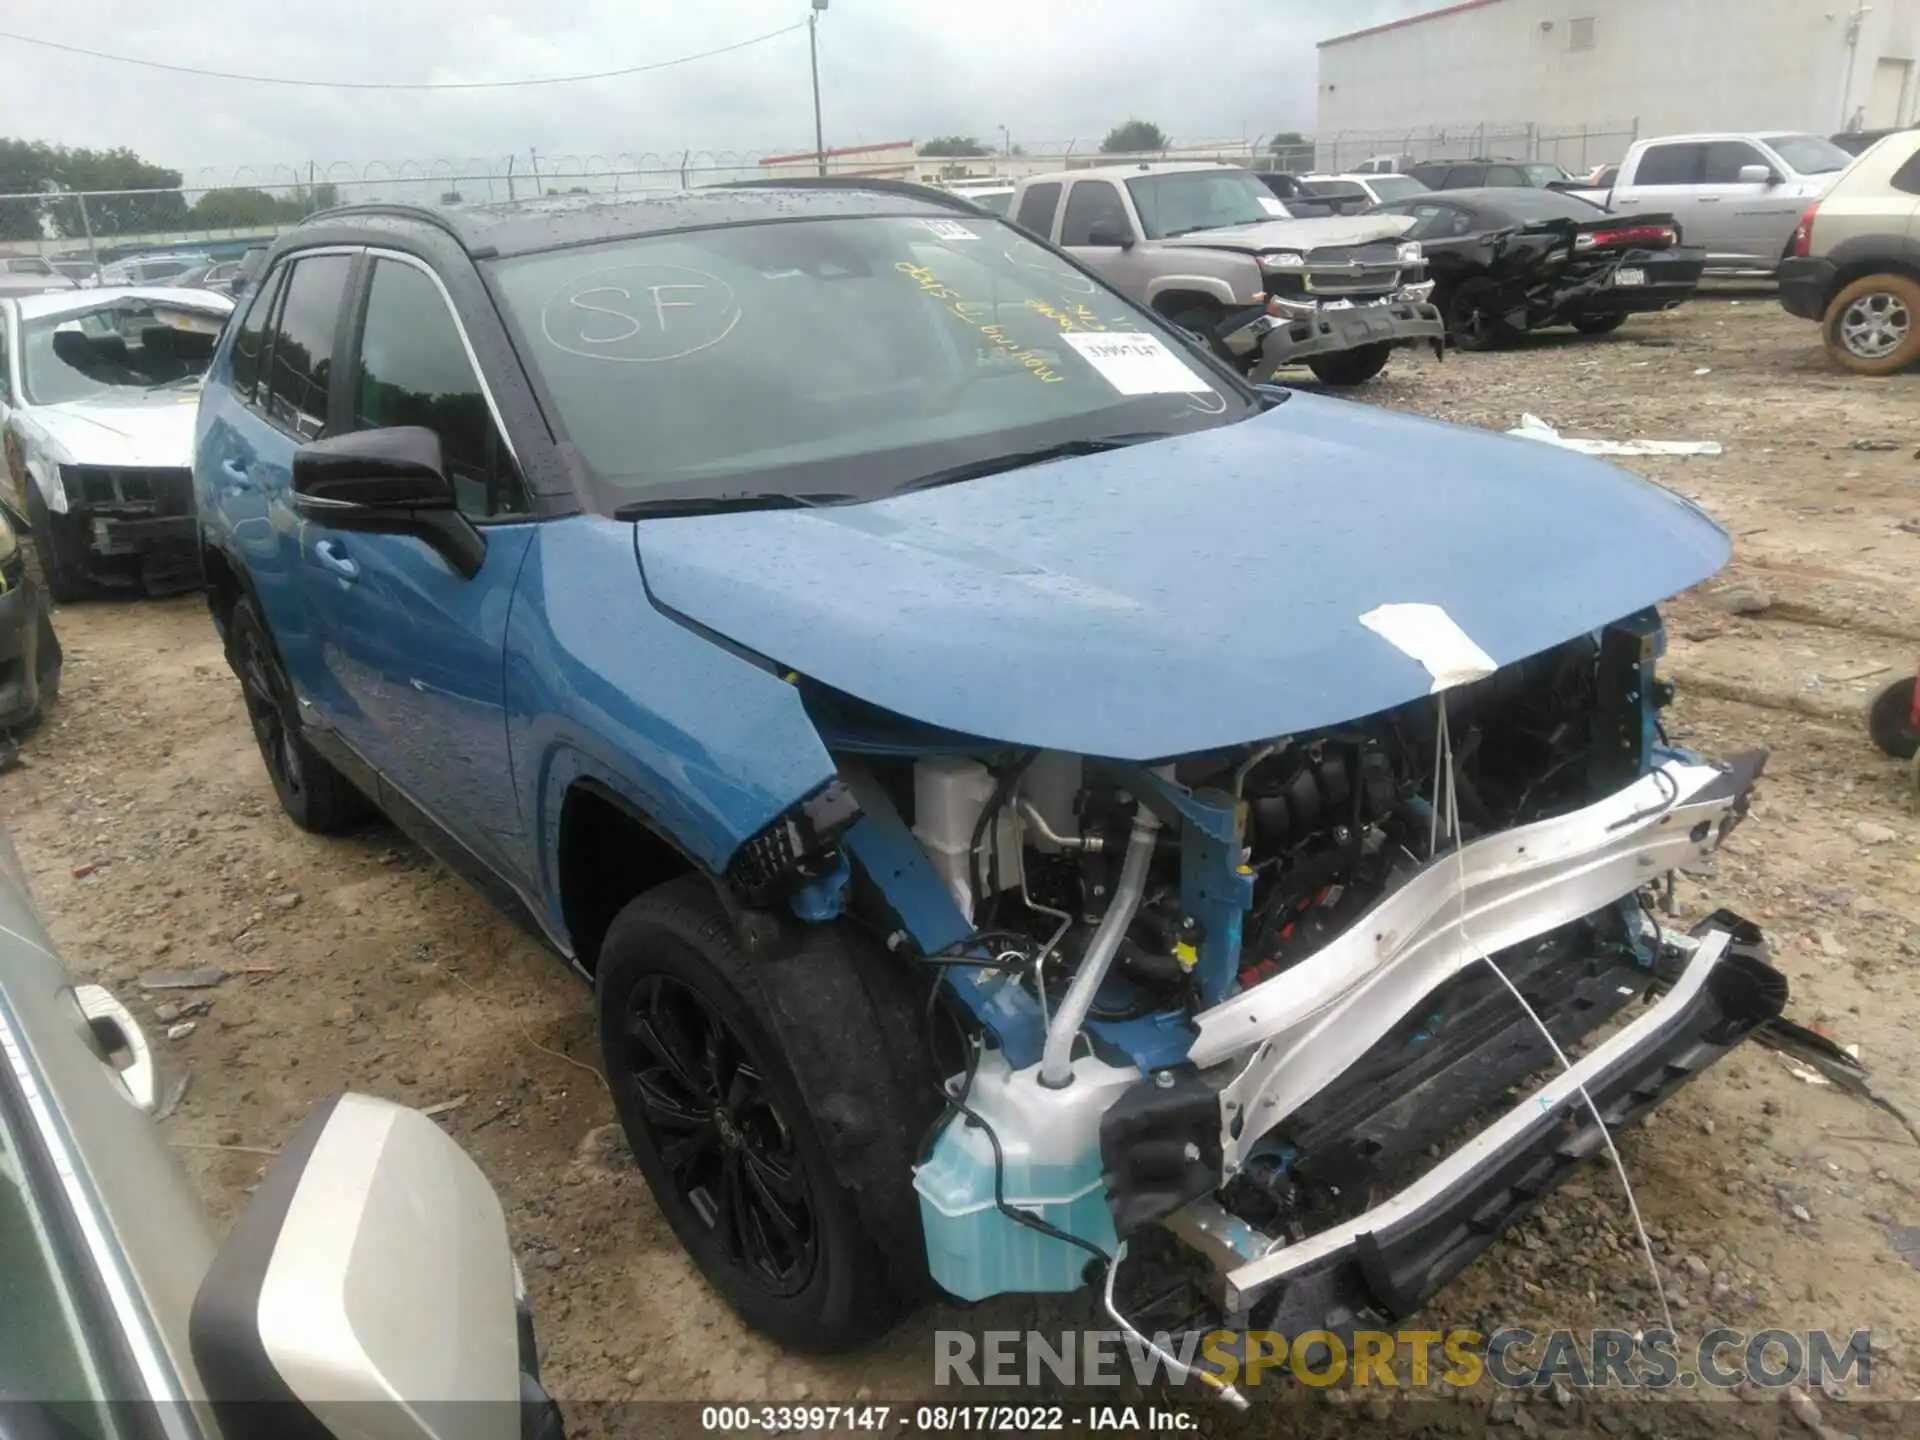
column 155, row 841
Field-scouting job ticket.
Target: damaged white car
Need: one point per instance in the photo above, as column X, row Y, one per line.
column 98, row 391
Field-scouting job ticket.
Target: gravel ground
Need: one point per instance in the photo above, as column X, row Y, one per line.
column 155, row 841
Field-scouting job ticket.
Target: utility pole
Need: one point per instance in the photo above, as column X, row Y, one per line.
column 1855, row 23
column 813, row 49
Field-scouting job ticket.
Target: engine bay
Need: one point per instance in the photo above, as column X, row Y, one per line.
column 1244, row 979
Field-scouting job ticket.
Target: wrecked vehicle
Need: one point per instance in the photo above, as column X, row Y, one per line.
column 999, row 812
column 1209, row 247
column 100, row 388
column 29, row 650
column 1508, row 260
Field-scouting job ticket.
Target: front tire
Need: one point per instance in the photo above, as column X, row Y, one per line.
column 774, row 1106
column 1599, row 324
column 55, row 552
column 1873, row 326
column 316, row 797
column 1351, row 367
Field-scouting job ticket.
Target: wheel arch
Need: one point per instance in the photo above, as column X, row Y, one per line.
column 605, row 851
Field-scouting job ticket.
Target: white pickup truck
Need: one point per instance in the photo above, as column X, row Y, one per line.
column 1739, row 197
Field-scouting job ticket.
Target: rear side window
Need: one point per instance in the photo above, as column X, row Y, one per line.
column 1037, row 208
column 250, row 341
column 1672, row 165
column 413, row 370
column 301, row 365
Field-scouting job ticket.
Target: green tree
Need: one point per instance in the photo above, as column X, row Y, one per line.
column 1291, row 150
column 954, row 145
column 1134, row 137
column 235, row 208
column 35, row 167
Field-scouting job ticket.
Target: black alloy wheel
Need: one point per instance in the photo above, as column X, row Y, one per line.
column 315, row 796
column 731, row 1156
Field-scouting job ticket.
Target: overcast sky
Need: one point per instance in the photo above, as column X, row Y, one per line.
column 890, row 69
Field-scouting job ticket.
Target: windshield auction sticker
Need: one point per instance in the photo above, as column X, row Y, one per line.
column 1136, row 364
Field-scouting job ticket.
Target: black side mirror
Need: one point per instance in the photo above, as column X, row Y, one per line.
column 1110, row 233
column 390, row 482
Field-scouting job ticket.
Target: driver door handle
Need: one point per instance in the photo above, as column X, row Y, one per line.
column 330, row 555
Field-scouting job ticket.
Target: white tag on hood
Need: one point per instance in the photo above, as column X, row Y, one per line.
column 1431, row 636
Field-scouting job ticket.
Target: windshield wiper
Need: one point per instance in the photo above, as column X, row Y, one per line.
column 1020, row 459
column 667, row 506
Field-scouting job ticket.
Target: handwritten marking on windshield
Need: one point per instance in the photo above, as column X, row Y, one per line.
column 970, row 313
column 640, row 314
column 1029, row 258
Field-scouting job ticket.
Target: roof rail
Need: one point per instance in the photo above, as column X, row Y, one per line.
column 877, row 184
column 424, row 213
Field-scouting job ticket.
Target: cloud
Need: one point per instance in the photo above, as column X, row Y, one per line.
column 1049, row 70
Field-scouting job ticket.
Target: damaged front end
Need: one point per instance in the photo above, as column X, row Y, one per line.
column 1239, row 997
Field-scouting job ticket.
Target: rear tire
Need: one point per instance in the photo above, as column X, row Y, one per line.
column 1351, row 367
column 316, row 797
column 1599, row 324
column 1890, row 720
column 775, row 1106
column 1873, row 326
column 61, row 571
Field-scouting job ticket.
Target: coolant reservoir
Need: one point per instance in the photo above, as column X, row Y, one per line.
column 949, row 792
column 1050, row 1145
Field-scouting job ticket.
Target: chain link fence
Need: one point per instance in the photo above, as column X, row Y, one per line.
column 219, row 212
column 1578, row 148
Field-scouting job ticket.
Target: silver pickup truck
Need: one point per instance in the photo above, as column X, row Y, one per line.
column 1207, row 246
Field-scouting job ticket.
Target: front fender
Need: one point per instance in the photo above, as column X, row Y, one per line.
column 1217, row 287
column 601, row 684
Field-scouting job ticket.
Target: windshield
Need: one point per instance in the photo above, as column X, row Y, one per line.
column 846, row 356
column 1189, row 200
column 1395, row 187
column 1809, row 154
column 118, row 345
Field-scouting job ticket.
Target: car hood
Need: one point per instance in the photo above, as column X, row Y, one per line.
column 1188, row 593
column 1312, row 234
column 123, row 427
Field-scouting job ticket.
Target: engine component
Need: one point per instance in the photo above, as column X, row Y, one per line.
column 1051, row 786
column 1056, row 1071
column 949, row 794
column 1049, row 1165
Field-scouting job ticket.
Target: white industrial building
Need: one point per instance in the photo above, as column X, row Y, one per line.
column 1650, row 67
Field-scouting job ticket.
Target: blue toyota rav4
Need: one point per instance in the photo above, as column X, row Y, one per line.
column 1018, row 794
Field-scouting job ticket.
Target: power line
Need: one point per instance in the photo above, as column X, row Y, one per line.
column 399, row 85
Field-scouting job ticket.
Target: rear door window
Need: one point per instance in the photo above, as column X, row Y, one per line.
column 250, row 341
column 300, row 368
column 1037, row 209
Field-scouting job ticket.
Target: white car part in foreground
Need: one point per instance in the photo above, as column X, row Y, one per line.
column 1301, row 1030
